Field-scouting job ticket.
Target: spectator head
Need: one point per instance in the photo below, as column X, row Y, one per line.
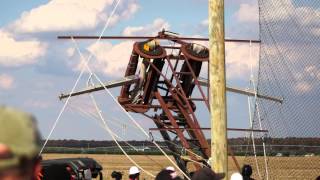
column 236, row 176
column 166, row 174
column 134, row 172
column 116, row 175
column 206, row 174
column 246, row 170
column 19, row 145
column 170, row 168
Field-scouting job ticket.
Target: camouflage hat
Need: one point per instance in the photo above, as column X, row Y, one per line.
column 19, row 137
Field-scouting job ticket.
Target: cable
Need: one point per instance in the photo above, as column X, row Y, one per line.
column 114, row 139
column 76, row 83
column 130, row 117
column 252, row 137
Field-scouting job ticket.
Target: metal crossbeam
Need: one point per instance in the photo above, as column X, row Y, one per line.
column 204, row 82
column 133, row 79
column 111, row 84
column 229, row 129
column 152, row 37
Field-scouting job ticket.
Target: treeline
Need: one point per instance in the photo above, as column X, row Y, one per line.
column 276, row 146
column 278, row 141
column 233, row 141
column 239, row 146
column 95, row 144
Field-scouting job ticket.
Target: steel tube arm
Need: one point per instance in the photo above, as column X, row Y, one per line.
column 204, row 82
column 152, row 37
column 111, row 84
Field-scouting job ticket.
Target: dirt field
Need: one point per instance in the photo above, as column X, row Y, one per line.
column 283, row 168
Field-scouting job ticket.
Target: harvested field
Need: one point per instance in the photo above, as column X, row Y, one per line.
column 302, row 168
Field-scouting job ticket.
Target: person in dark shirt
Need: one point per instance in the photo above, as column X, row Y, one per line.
column 246, row 172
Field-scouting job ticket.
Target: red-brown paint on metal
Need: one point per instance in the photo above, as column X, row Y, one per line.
column 154, row 37
column 229, row 129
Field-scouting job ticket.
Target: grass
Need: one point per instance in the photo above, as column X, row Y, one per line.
column 281, row 168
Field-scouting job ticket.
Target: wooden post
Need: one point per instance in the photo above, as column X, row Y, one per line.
column 217, row 88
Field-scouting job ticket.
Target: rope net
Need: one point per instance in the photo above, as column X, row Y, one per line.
column 288, row 68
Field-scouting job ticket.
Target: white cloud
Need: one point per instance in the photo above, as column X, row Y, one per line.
column 62, row 15
column 16, row 53
column 284, row 14
column 303, row 87
column 308, row 79
column 316, row 31
column 205, row 22
column 111, row 59
column 248, row 13
column 149, row 29
column 70, row 52
column 6, row 81
column 238, row 61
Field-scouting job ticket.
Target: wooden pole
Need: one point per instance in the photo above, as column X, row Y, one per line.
column 217, row 82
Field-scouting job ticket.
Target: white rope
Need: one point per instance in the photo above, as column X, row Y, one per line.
column 260, row 125
column 77, row 81
column 252, row 137
column 130, row 117
column 114, row 139
column 94, row 117
column 97, row 118
column 252, row 81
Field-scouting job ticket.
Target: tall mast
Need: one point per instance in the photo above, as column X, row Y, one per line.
column 218, row 114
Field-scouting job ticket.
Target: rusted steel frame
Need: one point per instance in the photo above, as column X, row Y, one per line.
column 184, row 96
column 143, row 106
column 163, row 37
column 155, row 120
column 174, row 124
column 131, row 68
column 195, row 79
column 162, row 88
column 171, row 47
column 185, row 73
column 167, row 82
column 172, row 148
column 152, row 37
column 197, row 133
column 196, row 99
column 195, row 122
column 147, row 87
column 177, row 57
column 229, row 129
column 172, row 120
column 147, row 106
column 167, row 139
column 194, row 117
column 175, row 67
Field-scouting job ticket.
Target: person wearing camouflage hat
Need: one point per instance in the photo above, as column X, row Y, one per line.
column 19, row 145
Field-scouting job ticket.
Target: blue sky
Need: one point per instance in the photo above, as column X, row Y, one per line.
column 35, row 67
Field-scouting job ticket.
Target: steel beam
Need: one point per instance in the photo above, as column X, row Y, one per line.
column 204, row 82
column 152, row 37
column 111, row 84
column 193, row 129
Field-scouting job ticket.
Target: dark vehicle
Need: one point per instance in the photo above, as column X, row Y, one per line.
column 71, row 169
